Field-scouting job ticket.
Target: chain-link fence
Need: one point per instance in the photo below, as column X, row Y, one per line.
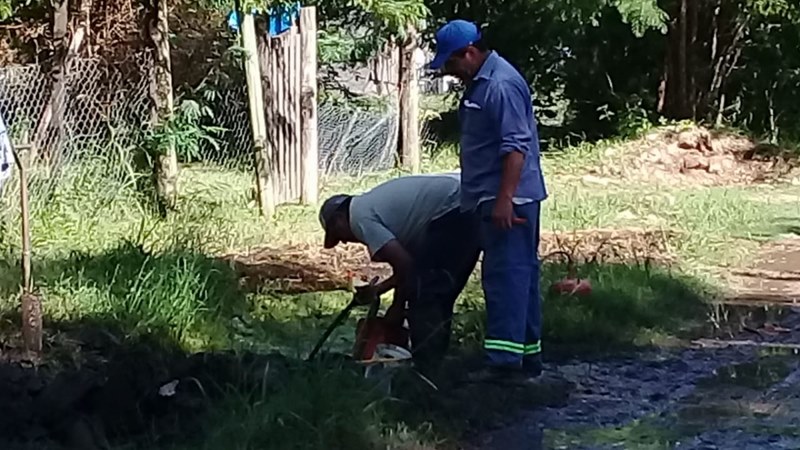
column 353, row 140
column 86, row 134
column 78, row 132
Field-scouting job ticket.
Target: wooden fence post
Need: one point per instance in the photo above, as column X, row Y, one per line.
column 308, row 104
column 408, row 139
column 258, row 122
column 167, row 163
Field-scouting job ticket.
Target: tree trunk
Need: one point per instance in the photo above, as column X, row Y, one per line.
column 683, row 86
column 82, row 30
column 48, row 132
column 166, row 163
column 704, row 43
column 693, row 65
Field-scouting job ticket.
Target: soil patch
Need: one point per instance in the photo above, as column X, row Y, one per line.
column 773, row 278
column 697, row 156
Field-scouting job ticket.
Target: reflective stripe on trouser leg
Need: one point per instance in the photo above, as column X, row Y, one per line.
column 508, row 259
column 533, row 349
column 504, row 346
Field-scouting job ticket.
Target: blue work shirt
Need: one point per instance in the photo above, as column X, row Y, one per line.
column 496, row 117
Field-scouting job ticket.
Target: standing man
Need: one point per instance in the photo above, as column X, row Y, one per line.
column 414, row 224
column 503, row 185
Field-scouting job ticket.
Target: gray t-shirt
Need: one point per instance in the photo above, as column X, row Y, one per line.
column 402, row 209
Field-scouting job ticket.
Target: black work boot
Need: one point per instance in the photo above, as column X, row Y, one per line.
column 503, row 375
column 532, row 365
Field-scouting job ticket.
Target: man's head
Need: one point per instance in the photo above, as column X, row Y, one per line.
column 459, row 50
column 334, row 216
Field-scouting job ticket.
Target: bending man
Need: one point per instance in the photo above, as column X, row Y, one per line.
column 414, row 224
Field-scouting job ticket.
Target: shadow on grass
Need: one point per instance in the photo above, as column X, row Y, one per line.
column 630, row 305
column 122, row 324
column 138, row 320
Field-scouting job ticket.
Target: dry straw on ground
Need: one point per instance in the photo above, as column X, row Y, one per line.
column 309, row 268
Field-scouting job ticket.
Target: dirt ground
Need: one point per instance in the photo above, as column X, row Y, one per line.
column 738, row 389
column 774, row 277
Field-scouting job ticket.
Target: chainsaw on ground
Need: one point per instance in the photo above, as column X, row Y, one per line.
column 371, row 331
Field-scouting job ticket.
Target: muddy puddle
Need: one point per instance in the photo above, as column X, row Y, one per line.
column 738, row 390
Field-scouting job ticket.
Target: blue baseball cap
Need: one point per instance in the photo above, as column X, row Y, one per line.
column 452, row 37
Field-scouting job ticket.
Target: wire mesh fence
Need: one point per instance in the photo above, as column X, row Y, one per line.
column 85, row 134
column 78, row 133
column 356, row 141
column 353, row 140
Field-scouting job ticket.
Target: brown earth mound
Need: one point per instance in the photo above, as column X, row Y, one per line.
column 696, row 155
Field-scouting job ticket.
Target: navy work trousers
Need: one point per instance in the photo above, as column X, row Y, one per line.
column 443, row 263
column 510, row 278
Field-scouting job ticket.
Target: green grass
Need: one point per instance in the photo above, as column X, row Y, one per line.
column 103, row 258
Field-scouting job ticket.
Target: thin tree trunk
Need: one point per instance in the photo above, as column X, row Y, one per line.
column 727, row 60
column 52, row 115
column 693, row 66
column 682, row 61
column 166, row 163
column 82, row 30
column 773, row 126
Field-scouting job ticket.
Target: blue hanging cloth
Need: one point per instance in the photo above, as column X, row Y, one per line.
column 281, row 18
column 233, row 19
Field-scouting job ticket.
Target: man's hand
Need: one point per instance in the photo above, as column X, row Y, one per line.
column 366, row 294
column 503, row 214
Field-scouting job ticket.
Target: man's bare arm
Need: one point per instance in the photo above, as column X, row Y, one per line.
column 402, row 266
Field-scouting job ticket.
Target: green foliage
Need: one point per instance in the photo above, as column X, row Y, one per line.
column 642, row 15
column 333, row 46
column 353, row 30
column 628, row 305
column 599, row 63
column 10, row 7
column 376, row 103
column 6, row 10
column 785, row 9
column 178, row 294
column 313, row 408
column 184, row 131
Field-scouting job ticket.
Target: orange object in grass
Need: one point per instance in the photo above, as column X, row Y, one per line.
column 571, row 284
